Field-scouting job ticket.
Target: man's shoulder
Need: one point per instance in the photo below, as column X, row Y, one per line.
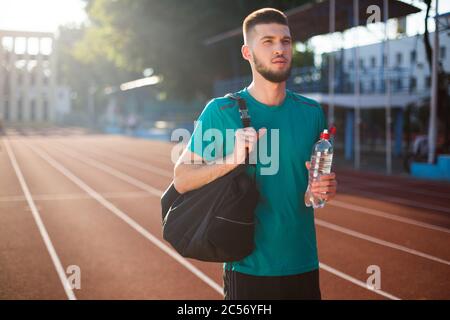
column 225, row 102
column 304, row 100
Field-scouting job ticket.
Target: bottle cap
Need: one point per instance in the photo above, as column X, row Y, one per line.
column 332, row 130
column 325, row 135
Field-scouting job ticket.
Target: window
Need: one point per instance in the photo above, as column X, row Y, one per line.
column 361, row 87
column 361, row 63
column 20, row 45
column 428, row 82
column 442, row 53
column 350, row 64
column 413, row 56
column 46, row 46
column 7, row 43
column 398, row 84
column 373, row 62
column 412, row 83
column 33, row 46
column 399, row 59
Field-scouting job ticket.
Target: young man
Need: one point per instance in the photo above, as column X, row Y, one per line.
column 284, row 263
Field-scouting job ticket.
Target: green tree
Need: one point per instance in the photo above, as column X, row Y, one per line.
column 166, row 36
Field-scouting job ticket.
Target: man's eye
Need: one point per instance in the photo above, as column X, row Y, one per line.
column 268, row 41
column 287, row 41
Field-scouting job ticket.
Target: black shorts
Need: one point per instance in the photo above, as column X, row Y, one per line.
column 240, row 286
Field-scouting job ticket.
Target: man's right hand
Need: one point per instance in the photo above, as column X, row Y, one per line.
column 246, row 138
column 188, row 176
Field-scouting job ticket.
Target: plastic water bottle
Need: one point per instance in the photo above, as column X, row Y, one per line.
column 321, row 160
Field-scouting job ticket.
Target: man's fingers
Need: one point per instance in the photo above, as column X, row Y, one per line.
column 323, row 190
column 261, row 132
column 324, row 183
column 248, row 130
column 323, row 194
column 327, row 197
column 330, row 176
column 247, row 139
column 246, row 134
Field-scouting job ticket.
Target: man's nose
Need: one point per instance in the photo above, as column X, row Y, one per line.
column 279, row 49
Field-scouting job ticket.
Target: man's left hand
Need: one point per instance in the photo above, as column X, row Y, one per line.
column 325, row 187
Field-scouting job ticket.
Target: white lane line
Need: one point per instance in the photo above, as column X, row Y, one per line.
column 162, row 171
column 98, row 164
column 13, row 198
column 386, row 215
column 74, row 196
column 134, row 163
column 335, row 227
column 361, row 209
column 410, row 203
column 116, row 173
column 42, row 230
column 356, row 281
column 132, row 223
column 379, row 241
column 170, row 174
column 158, row 158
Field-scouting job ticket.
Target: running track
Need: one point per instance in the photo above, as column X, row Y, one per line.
column 69, row 198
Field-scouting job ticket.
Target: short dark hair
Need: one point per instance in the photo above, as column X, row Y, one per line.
column 263, row 16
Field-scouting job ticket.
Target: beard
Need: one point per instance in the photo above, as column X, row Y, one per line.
column 269, row 75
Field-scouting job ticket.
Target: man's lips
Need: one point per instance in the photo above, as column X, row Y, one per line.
column 279, row 61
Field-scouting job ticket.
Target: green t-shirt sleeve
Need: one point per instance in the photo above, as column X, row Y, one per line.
column 208, row 135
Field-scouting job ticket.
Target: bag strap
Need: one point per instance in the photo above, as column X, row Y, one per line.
column 245, row 117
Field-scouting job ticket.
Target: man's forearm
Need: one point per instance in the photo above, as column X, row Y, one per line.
column 188, row 177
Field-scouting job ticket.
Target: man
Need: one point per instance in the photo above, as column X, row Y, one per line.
column 284, row 263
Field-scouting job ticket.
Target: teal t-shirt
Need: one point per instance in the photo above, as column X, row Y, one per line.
column 285, row 237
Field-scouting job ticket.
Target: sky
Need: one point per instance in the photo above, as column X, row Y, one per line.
column 47, row 15
column 40, row 15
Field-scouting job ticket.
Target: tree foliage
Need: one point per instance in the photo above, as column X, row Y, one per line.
column 167, row 36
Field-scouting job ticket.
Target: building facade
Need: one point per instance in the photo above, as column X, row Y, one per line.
column 28, row 79
column 408, row 66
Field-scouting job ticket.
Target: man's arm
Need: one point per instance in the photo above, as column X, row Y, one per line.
column 192, row 171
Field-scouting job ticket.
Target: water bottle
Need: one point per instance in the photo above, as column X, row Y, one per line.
column 321, row 160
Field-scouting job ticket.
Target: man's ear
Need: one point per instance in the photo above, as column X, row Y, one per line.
column 246, row 53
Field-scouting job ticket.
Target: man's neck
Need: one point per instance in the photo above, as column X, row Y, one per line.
column 266, row 92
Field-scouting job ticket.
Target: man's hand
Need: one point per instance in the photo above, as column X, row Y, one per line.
column 326, row 187
column 246, row 138
column 192, row 171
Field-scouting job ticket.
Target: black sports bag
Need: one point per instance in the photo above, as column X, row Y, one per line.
column 215, row 222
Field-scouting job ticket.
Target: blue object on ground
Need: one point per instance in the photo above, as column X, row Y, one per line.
column 438, row 171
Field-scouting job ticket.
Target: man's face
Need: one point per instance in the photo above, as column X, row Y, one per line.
column 270, row 46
